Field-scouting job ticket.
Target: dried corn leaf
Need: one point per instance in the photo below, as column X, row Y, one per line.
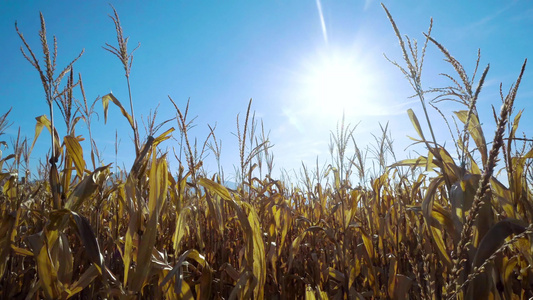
column 45, row 269
column 242, row 287
column 43, row 121
column 416, row 124
column 214, row 187
column 7, row 226
column 105, row 103
column 259, row 262
column 85, row 279
column 84, row 190
column 182, row 286
column 181, row 227
column 495, row 238
column 393, row 271
column 476, row 132
column 89, row 241
column 75, row 151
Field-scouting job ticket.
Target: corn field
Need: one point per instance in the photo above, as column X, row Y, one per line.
column 453, row 223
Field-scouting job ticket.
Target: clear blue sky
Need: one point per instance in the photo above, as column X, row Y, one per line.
column 222, row 53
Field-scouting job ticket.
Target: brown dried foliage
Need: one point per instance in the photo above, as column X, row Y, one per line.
column 429, row 227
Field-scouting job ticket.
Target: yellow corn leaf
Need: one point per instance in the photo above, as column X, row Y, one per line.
column 86, row 188
column 158, row 184
column 186, row 292
column 349, row 215
column 506, row 275
column 439, row 241
column 214, row 187
column 516, row 121
column 427, row 211
column 10, row 186
column 476, row 132
column 67, row 175
column 415, row 162
column 105, row 103
column 85, row 279
column 215, row 211
column 309, row 293
column 181, row 285
column 295, row 247
column 449, row 168
column 163, row 137
column 144, row 256
column 42, row 121
column 45, row 269
column 416, row 124
column 369, row 246
column 393, row 269
column 322, row 294
column 517, row 176
column 259, row 262
column 443, row 217
column 287, row 222
column 21, row 251
column 168, row 287
column 75, row 151
column 336, row 275
column 134, row 222
column 128, row 249
column 181, row 225
column 7, row 174
column 429, row 163
column 353, row 273
column 254, row 248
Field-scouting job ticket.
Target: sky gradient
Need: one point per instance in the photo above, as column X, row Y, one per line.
column 223, row 53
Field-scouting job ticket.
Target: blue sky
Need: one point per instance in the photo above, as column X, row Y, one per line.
column 222, row 53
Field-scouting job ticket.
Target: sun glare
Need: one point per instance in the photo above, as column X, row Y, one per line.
column 337, row 84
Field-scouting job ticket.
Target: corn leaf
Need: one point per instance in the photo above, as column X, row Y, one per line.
column 416, row 124
column 75, row 151
column 112, row 98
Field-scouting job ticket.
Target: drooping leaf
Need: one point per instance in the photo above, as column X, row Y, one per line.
column 495, row 238
column 89, row 241
column 416, row 124
column 75, row 151
column 476, row 132
column 164, row 136
column 86, row 188
column 214, row 187
column 111, row 97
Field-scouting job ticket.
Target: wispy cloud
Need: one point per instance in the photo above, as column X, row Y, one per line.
column 367, row 4
column 486, row 21
column 322, row 23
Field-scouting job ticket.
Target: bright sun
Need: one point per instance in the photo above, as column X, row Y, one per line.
column 337, row 83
